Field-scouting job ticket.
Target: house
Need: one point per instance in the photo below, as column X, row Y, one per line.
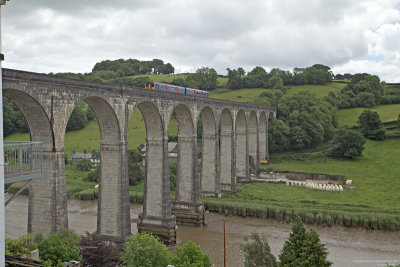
column 94, row 157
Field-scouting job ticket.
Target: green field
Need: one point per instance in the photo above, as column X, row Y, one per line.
column 319, row 90
column 374, row 202
column 241, row 95
column 349, row 117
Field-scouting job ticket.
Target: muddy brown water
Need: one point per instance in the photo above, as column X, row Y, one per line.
column 346, row 247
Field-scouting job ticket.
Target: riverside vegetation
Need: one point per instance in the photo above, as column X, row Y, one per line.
column 296, row 140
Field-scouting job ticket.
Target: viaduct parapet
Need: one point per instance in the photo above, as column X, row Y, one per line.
column 235, row 137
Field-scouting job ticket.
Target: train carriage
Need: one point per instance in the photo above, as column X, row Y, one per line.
column 162, row 87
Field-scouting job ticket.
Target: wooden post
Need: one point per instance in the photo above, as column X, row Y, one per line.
column 224, row 244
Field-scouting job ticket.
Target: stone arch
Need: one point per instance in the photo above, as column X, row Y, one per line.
column 156, row 217
column 187, row 208
column 46, row 214
column 228, row 183
column 262, row 136
column 209, row 180
column 40, row 129
column 113, row 216
column 241, row 147
column 253, row 143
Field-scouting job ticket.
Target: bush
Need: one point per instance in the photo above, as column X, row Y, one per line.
column 190, row 255
column 84, row 165
column 20, row 247
column 347, row 144
column 62, row 246
column 93, row 175
column 95, row 252
column 371, row 126
column 257, row 252
column 145, row 250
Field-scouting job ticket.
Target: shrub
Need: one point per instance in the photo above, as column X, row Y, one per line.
column 347, row 144
column 62, row 246
column 93, row 175
column 95, row 252
column 257, row 252
column 371, row 126
column 20, row 247
column 145, row 250
column 84, row 165
column 190, row 255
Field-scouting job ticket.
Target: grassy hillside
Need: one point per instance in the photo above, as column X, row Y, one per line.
column 319, row 90
column 349, row 117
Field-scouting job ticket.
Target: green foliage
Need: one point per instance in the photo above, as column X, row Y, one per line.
column 77, row 120
column 275, row 82
column 20, row 247
column 62, row 246
column 84, row 165
column 269, row 98
column 190, row 255
column 205, row 78
column 95, row 252
column 120, row 67
column 257, row 252
column 310, row 120
column 172, row 174
column 347, row 144
column 144, row 250
column 135, row 168
column 371, row 126
column 364, row 90
column 303, row 248
column 90, row 114
column 13, row 120
column 235, row 80
column 93, row 175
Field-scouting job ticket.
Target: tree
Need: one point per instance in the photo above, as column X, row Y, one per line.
column 190, row 255
column 257, row 252
column 371, row 126
column 303, row 249
column 278, row 136
column 90, row 114
column 135, row 168
column 77, row 120
column 145, row 250
column 206, row 78
column 275, row 82
column 347, row 144
column 235, row 80
column 310, row 119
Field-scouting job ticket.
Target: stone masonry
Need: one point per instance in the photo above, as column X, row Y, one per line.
column 233, row 133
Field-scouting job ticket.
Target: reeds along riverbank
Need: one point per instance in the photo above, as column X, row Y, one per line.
column 385, row 222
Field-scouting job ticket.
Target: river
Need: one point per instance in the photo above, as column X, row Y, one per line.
column 346, row 247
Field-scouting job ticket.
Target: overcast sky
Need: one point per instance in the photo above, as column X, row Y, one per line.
column 72, row 35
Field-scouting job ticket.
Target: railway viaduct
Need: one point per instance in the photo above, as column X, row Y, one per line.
column 234, row 134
